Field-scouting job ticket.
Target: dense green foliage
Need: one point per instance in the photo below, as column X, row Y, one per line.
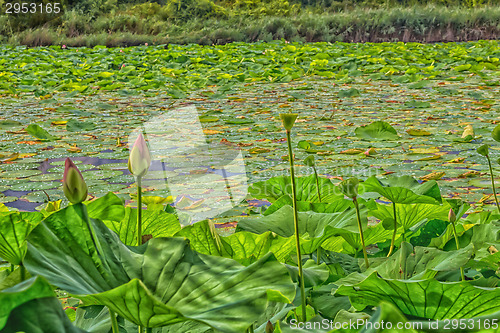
column 195, row 277
column 112, row 23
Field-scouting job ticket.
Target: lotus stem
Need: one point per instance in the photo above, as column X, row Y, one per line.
column 317, row 183
column 23, row 271
column 356, row 205
column 493, row 182
column 141, row 329
column 318, row 251
column 250, row 329
column 139, row 211
column 296, row 223
column 458, row 248
column 114, row 322
column 93, row 237
column 393, row 240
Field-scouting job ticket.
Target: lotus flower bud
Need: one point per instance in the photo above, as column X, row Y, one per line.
column 288, row 120
column 451, row 216
column 350, row 187
column 74, row 186
column 483, row 150
column 139, row 159
column 309, row 160
column 496, row 133
column 269, row 327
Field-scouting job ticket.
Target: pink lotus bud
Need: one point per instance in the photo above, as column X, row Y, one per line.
column 146, row 44
column 64, row 46
column 451, row 216
column 139, row 159
column 74, row 186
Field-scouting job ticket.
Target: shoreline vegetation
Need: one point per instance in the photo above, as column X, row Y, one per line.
column 206, row 23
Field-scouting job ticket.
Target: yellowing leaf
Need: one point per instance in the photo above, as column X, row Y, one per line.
column 74, row 149
column 457, row 160
column 424, row 150
column 59, row 122
column 432, row 157
column 468, row 131
column 209, row 132
column 258, row 150
column 469, row 174
column 417, row 132
column 352, row 151
column 433, row 176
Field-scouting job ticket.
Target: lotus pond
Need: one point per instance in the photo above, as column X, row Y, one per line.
column 224, row 240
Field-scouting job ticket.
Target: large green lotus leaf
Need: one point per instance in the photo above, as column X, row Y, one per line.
column 314, row 274
column 412, row 214
column 172, row 283
column 40, row 133
column 404, row 190
column 374, row 234
column 273, row 188
column 328, row 305
column 246, row 246
column 423, row 234
column 10, row 279
column 14, row 228
column 387, row 313
column 159, row 283
column 61, row 249
column 314, row 228
column 311, row 224
column 156, row 223
column 378, row 130
column 338, row 205
column 425, row 298
column 420, row 262
column 243, row 246
column 40, row 315
column 11, row 298
column 107, row 208
column 94, row 319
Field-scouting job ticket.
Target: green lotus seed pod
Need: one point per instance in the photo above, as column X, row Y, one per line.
column 309, row 160
column 483, row 150
column 288, row 120
column 74, row 186
column 350, row 187
column 451, row 216
column 269, row 327
column 496, row 133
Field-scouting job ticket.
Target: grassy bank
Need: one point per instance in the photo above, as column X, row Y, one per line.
column 139, row 25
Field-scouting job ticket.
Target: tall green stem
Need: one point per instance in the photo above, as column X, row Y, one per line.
column 458, row 248
column 356, row 205
column 93, row 237
column 317, row 183
column 114, row 322
column 393, row 240
column 493, row 182
column 139, row 211
column 318, row 251
column 296, row 223
column 23, row 271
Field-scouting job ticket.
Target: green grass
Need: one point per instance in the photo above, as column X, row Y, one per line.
column 127, row 28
